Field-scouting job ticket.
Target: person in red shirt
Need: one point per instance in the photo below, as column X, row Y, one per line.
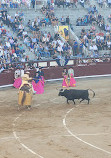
column 13, row 50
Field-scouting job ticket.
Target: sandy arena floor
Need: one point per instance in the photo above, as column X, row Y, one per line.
column 53, row 129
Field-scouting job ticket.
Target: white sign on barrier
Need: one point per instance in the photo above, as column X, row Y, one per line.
column 42, row 64
column 53, row 63
column 70, row 62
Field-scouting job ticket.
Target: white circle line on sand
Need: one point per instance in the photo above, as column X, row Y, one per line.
column 56, row 102
column 7, row 138
column 92, row 134
column 18, row 139
column 75, row 136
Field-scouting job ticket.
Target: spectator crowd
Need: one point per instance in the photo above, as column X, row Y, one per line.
column 42, row 44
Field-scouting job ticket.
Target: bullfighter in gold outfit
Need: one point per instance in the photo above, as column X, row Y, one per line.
column 25, row 92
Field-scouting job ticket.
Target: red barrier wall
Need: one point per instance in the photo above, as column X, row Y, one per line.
column 7, row 78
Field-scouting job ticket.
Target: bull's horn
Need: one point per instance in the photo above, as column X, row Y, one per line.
column 58, row 89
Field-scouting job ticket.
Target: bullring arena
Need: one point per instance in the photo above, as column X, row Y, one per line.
column 54, row 129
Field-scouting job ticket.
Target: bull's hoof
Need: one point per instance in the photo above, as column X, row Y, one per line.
column 29, row 107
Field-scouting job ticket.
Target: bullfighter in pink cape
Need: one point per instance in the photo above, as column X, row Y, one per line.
column 72, row 82
column 41, row 73
column 38, row 84
column 65, row 79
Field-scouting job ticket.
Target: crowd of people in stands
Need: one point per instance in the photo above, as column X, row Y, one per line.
column 43, row 44
column 98, row 37
column 50, row 18
column 17, row 66
column 17, row 3
column 64, row 3
column 89, row 18
column 10, row 49
column 92, row 60
column 104, row 3
column 70, row 3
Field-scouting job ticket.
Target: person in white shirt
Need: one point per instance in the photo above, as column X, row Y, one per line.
column 97, row 36
column 109, row 44
column 60, row 42
column 95, row 48
column 16, row 14
column 70, row 71
column 11, row 40
column 59, row 49
column 23, row 59
column 24, row 34
column 21, row 27
column 91, row 47
column 8, row 44
column 43, row 39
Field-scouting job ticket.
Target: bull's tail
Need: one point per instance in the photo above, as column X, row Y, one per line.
column 93, row 92
column 23, row 98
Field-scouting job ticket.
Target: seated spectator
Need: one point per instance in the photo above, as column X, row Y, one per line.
column 23, row 59
column 109, row 18
column 1, row 68
column 107, row 28
column 109, row 44
column 90, row 9
column 78, row 22
column 93, row 28
column 91, row 47
column 62, row 21
column 95, row 47
column 82, row 3
column 67, row 3
column 100, row 2
column 47, row 21
column 43, row 22
column 109, row 3
column 95, row 9
column 43, row 10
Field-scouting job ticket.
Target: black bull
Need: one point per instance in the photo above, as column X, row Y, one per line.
column 73, row 94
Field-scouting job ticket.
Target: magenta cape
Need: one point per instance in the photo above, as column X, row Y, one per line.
column 38, row 87
column 17, row 82
column 72, row 82
column 65, row 82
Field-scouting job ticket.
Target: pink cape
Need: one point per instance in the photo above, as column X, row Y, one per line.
column 38, row 87
column 17, row 82
column 72, row 82
column 65, row 82
column 43, row 80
